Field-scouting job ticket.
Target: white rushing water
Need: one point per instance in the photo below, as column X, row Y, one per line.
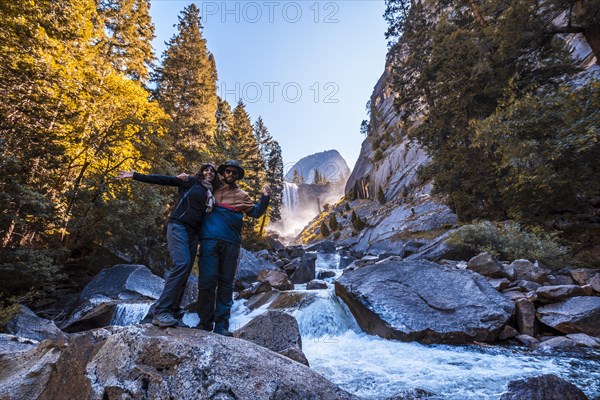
column 130, row 313
column 375, row 368
column 290, row 196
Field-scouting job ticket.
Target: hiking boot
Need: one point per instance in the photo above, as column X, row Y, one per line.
column 164, row 319
column 221, row 330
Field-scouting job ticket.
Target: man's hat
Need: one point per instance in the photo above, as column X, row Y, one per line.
column 233, row 164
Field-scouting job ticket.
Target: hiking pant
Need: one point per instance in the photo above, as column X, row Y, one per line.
column 217, row 266
column 183, row 246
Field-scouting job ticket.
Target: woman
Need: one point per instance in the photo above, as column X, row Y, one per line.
column 195, row 200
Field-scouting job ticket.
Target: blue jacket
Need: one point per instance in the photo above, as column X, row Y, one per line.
column 226, row 224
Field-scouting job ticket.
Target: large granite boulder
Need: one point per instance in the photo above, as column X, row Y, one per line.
column 544, row 387
column 486, row 265
column 277, row 331
column 25, row 323
column 324, row 246
column 145, row 362
column 423, row 301
column 125, row 282
column 575, row 315
column 526, row 270
column 248, row 268
column 277, row 279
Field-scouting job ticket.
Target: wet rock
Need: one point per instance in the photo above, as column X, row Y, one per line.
column 94, row 313
column 306, row 272
column 316, row 284
column 345, row 261
column 145, row 362
column 574, row 315
column 423, row 301
column 525, row 317
column 581, row 276
column 581, row 339
column 254, row 289
column 25, row 323
column 366, row 260
column 275, row 330
column 559, row 293
column 529, row 341
column 499, row 284
column 248, row 268
column 295, row 354
column 595, row 283
column 324, row 246
column 485, row 265
column 508, row 332
column 558, row 343
column 292, row 266
column 439, row 249
column 415, row 394
column 277, row 279
column 544, row 387
column 525, row 270
column 325, row 274
column 124, row 282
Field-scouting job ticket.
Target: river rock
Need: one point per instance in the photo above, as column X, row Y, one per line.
column 124, row 282
column 324, row 246
column 91, row 314
column 248, row 269
column 316, row 284
column 485, row 265
column 544, row 387
column 276, row 278
column 425, row 302
column 558, row 343
column 595, row 283
column 581, row 339
column 561, row 292
column 325, row 274
column 254, row 289
column 415, row 394
column 306, row 272
column 513, row 295
column 525, row 286
column 345, row 261
column 275, row 330
column 574, row 315
column 146, row 362
column 25, row 323
column 581, row 276
column 295, row 251
column 525, row 317
column 11, row 345
column 499, row 284
column 525, row 270
column 529, row 341
column 508, row 332
column 275, row 244
column 556, row 280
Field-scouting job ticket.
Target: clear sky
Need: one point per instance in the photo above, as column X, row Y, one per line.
column 307, row 67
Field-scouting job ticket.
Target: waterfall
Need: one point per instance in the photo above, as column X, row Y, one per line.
column 290, row 196
column 130, row 313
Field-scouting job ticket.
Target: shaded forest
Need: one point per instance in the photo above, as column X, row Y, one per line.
column 83, row 96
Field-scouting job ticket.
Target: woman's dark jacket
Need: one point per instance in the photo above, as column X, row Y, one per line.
column 191, row 206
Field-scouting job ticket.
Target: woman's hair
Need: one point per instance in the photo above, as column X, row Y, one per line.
column 216, row 182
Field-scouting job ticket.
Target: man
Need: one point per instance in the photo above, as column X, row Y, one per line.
column 220, row 240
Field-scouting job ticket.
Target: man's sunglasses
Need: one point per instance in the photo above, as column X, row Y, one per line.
column 233, row 172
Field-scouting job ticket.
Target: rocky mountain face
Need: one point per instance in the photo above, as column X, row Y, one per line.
column 386, row 190
column 330, row 164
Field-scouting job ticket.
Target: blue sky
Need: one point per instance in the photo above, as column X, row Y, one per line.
column 307, row 67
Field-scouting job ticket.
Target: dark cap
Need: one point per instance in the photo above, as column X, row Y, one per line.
column 233, row 164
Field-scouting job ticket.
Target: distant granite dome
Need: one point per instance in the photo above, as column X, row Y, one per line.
column 330, row 164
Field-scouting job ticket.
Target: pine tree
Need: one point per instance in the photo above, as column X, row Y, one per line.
column 324, row 229
column 186, row 89
column 333, row 223
column 296, row 177
column 225, row 148
column 128, row 44
column 381, row 196
column 275, row 180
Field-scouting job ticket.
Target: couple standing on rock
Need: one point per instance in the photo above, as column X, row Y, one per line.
column 209, row 210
